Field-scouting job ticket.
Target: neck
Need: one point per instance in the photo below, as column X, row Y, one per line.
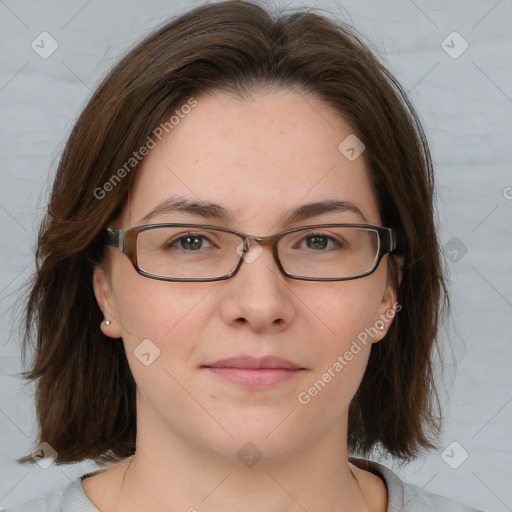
column 278, row 491
column 175, row 475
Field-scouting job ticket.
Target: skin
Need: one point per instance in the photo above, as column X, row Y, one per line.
column 257, row 157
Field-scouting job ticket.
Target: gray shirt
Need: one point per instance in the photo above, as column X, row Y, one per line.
column 402, row 496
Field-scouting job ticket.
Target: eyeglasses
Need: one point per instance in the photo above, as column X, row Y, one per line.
column 194, row 252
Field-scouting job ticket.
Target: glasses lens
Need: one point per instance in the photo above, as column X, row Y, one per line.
column 190, row 252
column 329, row 252
column 187, row 252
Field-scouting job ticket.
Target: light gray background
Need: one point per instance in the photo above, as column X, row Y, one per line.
column 466, row 106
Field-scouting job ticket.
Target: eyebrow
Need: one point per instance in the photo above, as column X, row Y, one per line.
column 215, row 211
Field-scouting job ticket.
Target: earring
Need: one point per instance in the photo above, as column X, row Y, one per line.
column 381, row 327
column 107, row 322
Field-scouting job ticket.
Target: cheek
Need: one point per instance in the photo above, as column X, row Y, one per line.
column 343, row 311
column 339, row 320
column 166, row 313
column 162, row 324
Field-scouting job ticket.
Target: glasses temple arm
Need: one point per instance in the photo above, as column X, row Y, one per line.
column 391, row 240
column 114, row 237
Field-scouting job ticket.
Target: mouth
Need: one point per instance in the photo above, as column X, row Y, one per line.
column 254, row 363
column 254, row 372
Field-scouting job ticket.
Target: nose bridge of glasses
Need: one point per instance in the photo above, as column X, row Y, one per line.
column 270, row 241
column 255, row 243
column 262, row 240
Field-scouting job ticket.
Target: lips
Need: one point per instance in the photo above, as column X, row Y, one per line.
column 254, row 363
column 254, row 372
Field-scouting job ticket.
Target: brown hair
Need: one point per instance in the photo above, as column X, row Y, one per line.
column 85, row 395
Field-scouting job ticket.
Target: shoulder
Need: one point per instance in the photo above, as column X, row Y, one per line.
column 70, row 499
column 51, row 502
column 417, row 500
column 406, row 497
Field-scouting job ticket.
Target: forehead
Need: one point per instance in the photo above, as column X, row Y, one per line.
column 256, row 157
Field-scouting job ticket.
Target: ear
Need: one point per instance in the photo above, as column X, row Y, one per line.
column 103, row 292
column 389, row 306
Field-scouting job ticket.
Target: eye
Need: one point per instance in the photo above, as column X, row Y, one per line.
column 190, row 242
column 320, row 241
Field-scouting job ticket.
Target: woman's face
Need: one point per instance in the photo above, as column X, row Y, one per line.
column 257, row 159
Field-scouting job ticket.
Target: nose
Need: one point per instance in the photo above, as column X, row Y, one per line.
column 258, row 296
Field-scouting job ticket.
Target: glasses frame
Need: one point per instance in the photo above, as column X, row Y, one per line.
column 126, row 242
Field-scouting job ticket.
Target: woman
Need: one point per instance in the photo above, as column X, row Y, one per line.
column 239, row 280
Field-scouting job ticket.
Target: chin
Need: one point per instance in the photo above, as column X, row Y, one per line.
column 269, row 439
